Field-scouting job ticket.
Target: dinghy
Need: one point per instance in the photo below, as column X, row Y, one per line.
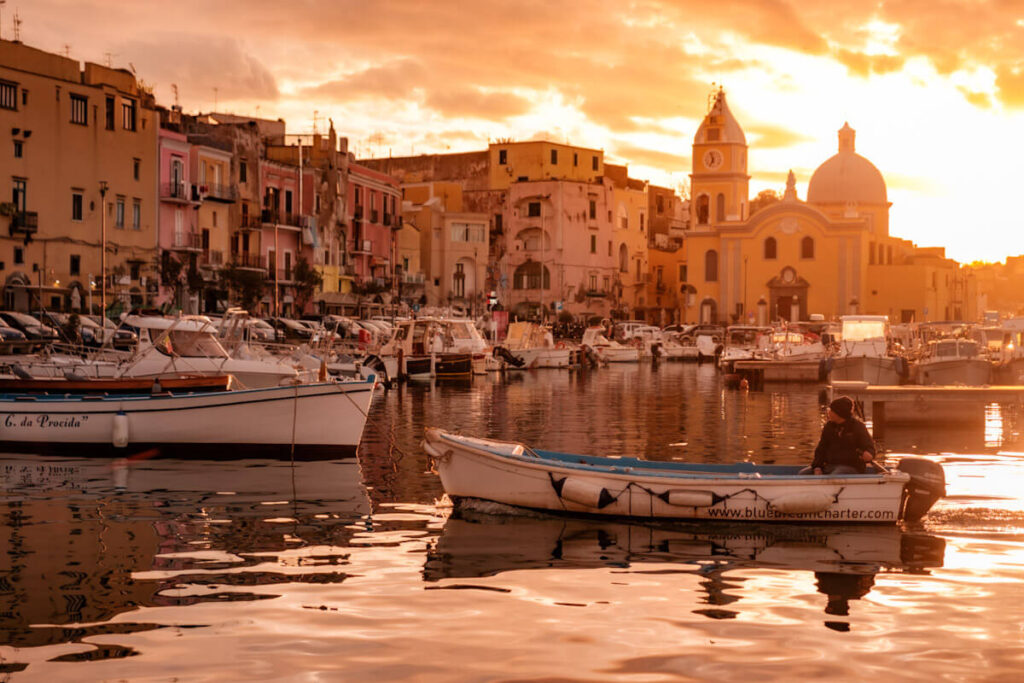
column 514, row 474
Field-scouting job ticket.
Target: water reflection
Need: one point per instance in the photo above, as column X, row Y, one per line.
column 843, row 559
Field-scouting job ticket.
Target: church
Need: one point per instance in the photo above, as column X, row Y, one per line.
column 830, row 254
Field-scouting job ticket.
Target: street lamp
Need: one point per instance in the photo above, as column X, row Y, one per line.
column 103, row 250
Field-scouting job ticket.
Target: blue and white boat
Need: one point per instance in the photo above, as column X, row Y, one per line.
column 514, row 474
column 324, row 418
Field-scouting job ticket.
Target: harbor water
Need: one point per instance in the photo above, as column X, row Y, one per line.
column 358, row 569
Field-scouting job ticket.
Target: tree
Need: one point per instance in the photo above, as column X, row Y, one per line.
column 243, row 285
column 308, row 281
column 763, row 200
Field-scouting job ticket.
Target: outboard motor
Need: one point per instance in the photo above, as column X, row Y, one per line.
column 927, row 485
column 509, row 357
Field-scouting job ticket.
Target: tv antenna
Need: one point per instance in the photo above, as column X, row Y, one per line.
column 215, row 94
column 67, row 50
column 315, row 113
column 17, row 27
column 2, row 3
column 174, row 89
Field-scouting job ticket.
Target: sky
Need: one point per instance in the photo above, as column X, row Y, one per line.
column 934, row 88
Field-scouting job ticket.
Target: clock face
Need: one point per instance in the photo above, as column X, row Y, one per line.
column 712, row 159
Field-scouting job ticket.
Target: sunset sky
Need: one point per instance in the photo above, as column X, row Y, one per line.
column 934, row 89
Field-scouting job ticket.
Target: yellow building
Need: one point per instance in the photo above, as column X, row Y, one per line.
column 830, row 255
column 512, row 162
column 82, row 159
column 631, row 234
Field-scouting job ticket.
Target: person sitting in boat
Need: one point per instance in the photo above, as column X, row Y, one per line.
column 845, row 446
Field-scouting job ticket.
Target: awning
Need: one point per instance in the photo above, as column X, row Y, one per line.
column 336, row 298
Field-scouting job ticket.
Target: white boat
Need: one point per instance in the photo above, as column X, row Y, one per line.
column 743, row 342
column 953, row 361
column 609, row 350
column 321, row 418
column 533, row 346
column 514, row 474
column 413, row 342
column 787, row 345
column 864, row 352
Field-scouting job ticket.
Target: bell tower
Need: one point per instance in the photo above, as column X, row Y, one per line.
column 719, row 184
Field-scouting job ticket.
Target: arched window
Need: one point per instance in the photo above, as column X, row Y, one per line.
column 623, row 259
column 771, row 248
column 711, row 266
column 720, row 208
column 528, row 276
column 703, row 208
column 807, row 247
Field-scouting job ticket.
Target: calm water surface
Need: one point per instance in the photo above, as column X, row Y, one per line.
column 356, row 569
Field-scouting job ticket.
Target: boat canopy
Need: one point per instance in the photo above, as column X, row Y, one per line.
column 864, row 328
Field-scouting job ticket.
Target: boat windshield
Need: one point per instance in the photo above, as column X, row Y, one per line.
column 461, row 330
column 191, row 345
column 863, row 330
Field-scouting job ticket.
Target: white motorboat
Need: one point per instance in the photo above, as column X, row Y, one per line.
column 514, row 474
column 609, row 350
column 321, row 418
column 743, row 342
column 953, row 361
column 864, row 352
column 532, row 346
column 407, row 354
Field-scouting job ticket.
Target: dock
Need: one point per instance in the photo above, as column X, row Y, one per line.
column 926, row 405
column 757, row 372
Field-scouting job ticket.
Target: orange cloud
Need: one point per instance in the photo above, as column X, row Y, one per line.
column 769, row 137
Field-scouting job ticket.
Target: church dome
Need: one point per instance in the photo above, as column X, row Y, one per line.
column 847, row 177
column 719, row 125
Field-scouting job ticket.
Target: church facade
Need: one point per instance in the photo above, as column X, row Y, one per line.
column 830, row 254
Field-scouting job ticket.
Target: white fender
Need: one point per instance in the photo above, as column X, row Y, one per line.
column 692, row 499
column 803, row 501
column 119, row 437
column 584, row 492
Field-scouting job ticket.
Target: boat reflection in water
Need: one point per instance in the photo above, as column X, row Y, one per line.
column 844, row 558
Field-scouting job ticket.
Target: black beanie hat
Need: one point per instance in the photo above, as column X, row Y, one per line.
column 842, row 406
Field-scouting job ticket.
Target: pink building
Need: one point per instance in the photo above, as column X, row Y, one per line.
column 375, row 202
column 288, row 231
column 176, row 231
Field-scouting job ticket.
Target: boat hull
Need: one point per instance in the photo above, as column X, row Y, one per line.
column 966, row 371
column 311, row 418
column 877, row 370
column 496, row 471
column 541, row 358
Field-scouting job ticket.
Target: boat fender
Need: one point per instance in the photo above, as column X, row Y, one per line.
column 120, row 432
column 582, row 492
column 927, row 484
column 435, row 452
column 802, row 502
column 690, row 499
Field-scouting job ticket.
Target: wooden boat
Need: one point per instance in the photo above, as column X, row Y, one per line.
column 123, row 385
column 454, row 366
column 320, row 418
column 514, row 474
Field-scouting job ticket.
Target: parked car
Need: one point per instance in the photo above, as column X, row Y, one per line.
column 12, row 340
column 31, row 327
column 294, row 331
column 125, row 337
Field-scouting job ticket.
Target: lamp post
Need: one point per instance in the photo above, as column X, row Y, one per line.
column 103, row 251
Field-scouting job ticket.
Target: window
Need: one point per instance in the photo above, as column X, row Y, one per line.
column 593, row 163
column 215, row 219
column 75, row 268
column 888, row 250
column 623, row 259
column 713, row 134
column 76, row 205
column 771, row 248
column 133, row 270
column 624, row 222
column 119, row 217
column 502, row 156
column 807, row 247
column 110, row 113
column 128, row 114
column 593, row 244
column 703, row 208
column 19, row 149
column 720, row 208
column 554, row 157
column 8, row 95
column 593, row 283
column 19, row 194
column 459, row 280
column 79, row 110
column 243, row 171
column 661, row 204
column 136, row 214
column 575, row 159
column 609, row 247
column 136, row 165
column 288, row 201
column 533, row 209
column 531, row 275
column 24, row 97
column 682, row 273
column 871, row 253
column 593, row 209
column 711, row 266
column 19, row 255
column 287, row 265
column 498, row 223
column 641, row 221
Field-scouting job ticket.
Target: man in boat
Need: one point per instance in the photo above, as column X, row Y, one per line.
column 845, row 446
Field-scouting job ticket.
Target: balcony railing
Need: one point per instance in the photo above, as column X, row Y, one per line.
column 185, row 240
column 25, row 222
column 374, row 215
column 412, row 278
column 283, row 274
column 219, row 192
column 248, row 261
column 212, row 257
column 272, row 217
column 178, row 191
column 250, row 222
column 363, row 247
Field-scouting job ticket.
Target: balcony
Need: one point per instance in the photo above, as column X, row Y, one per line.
column 374, row 215
column 211, row 258
column 220, row 193
column 186, row 241
column 412, row 278
column 176, row 192
column 284, row 275
column 250, row 222
column 247, row 261
column 270, row 217
column 363, row 247
column 387, row 218
column 25, row 223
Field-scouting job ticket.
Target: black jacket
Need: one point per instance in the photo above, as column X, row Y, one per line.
column 843, row 444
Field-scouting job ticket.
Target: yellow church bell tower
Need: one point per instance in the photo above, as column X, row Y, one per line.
column 719, row 183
